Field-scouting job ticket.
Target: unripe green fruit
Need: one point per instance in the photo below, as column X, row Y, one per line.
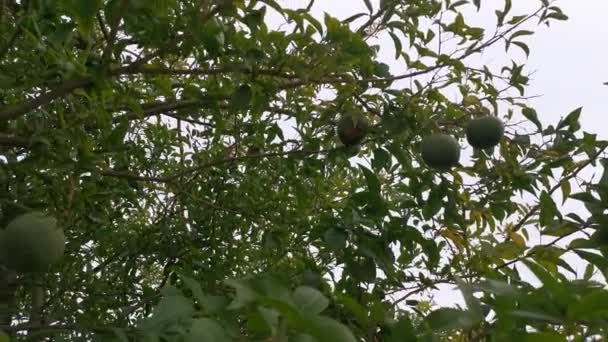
column 352, row 129
column 440, row 151
column 31, row 243
column 485, row 132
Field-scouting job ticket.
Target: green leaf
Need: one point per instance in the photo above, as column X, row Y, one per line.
column 335, row 239
column 397, row 44
column 457, row 4
column 373, row 184
column 325, row 329
column 353, row 307
column 446, row 319
column 433, row 204
column 172, row 307
column 402, row 331
column 314, row 22
column 523, row 46
column 364, row 270
column 244, row 294
column 477, row 4
column 531, row 115
column 382, row 159
column 508, row 250
column 207, row 330
column 193, row 286
column 599, row 261
column 548, row 209
column 557, row 16
column 516, row 19
column 497, row 287
column 566, row 188
column 571, row 119
column 536, row 316
column 500, row 15
column 473, row 304
column 310, row 300
column 83, row 13
column 586, row 197
column 543, row 275
column 241, row 98
column 592, row 306
column 521, row 33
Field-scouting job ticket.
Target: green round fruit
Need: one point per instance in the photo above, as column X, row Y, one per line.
column 440, row 151
column 352, row 129
column 31, row 243
column 485, row 132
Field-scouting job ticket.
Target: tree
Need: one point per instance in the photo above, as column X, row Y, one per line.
column 189, row 151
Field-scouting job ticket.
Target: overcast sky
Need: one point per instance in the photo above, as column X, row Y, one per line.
column 569, row 59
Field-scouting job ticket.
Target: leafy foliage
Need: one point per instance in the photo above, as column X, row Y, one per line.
column 189, row 151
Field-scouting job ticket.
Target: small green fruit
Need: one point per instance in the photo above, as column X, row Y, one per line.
column 352, row 129
column 31, row 243
column 485, row 132
column 440, row 151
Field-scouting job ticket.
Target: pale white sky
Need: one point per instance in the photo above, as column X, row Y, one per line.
column 569, row 60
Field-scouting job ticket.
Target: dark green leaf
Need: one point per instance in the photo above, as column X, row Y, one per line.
column 335, row 239
column 571, row 119
column 241, row 98
column 531, row 115
column 592, row 306
column 310, row 300
column 523, row 46
column 207, row 330
column 446, row 319
column 402, row 331
column 373, row 183
column 325, row 329
column 548, row 209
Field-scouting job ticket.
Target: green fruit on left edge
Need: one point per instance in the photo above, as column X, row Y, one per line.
column 352, row 129
column 31, row 243
column 484, row 132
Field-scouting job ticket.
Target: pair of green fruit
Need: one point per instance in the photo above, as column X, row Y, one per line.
column 442, row 151
column 439, row 151
column 31, row 243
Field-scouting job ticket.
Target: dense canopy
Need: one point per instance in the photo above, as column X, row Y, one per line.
column 189, row 151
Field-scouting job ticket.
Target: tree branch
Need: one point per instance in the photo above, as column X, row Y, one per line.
column 114, row 30
column 14, row 112
column 168, row 179
column 534, row 251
